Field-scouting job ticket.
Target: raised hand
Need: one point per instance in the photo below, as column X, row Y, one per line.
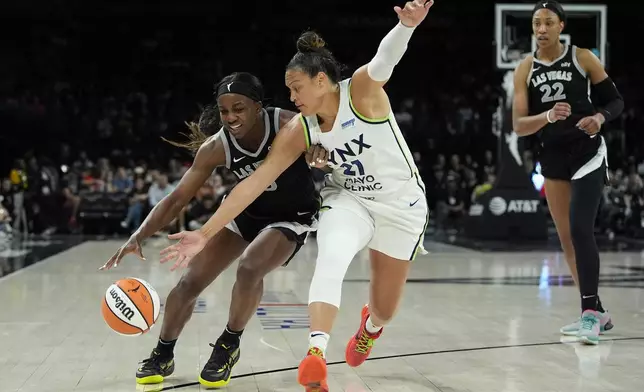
column 131, row 246
column 190, row 243
column 414, row 12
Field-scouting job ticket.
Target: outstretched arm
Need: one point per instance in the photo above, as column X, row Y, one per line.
column 209, row 156
column 367, row 94
column 289, row 144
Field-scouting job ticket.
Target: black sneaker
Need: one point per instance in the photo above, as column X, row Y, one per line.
column 154, row 369
column 219, row 368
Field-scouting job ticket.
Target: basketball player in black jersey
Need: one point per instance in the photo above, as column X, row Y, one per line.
column 552, row 98
column 266, row 236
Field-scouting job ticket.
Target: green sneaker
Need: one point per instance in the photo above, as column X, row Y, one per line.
column 219, row 368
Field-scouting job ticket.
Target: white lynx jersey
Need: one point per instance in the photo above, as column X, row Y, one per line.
column 369, row 157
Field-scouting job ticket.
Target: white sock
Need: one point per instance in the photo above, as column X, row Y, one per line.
column 371, row 327
column 319, row 340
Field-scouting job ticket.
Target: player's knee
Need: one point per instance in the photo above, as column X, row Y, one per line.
column 580, row 231
column 188, row 288
column 326, row 284
column 247, row 273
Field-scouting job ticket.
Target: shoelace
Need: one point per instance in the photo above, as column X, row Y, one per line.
column 152, row 363
column 364, row 342
column 588, row 322
column 219, row 357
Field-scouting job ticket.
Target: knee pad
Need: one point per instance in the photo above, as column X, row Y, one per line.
column 326, row 284
column 341, row 235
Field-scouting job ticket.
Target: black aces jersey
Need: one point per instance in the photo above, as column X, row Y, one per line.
column 293, row 194
column 562, row 80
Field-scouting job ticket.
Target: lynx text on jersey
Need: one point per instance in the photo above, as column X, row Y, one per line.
column 347, row 161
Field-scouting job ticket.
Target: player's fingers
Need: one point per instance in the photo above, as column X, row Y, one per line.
column 308, row 156
column 168, row 257
column 583, row 123
column 176, row 265
column 186, row 262
column 169, row 249
column 139, row 252
column 429, row 4
column 320, row 155
column 177, row 236
column 109, row 264
column 398, row 10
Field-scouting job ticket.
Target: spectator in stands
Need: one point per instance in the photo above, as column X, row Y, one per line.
column 122, row 182
column 450, row 206
column 200, row 211
column 159, row 189
column 6, row 196
column 138, row 202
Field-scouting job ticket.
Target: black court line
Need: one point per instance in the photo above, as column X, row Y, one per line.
column 408, row 355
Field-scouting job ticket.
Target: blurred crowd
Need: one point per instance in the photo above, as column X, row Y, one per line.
column 84, row 113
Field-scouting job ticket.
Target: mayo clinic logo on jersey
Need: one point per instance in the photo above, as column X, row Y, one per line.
column 551, row 76
column 498, row 206
column 349, row 124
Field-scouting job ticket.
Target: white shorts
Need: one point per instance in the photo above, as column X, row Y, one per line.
column 398, row 225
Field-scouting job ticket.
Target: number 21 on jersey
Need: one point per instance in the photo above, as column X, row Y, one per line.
column 351, row 167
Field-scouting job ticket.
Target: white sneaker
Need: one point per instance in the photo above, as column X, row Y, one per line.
column 589, row 327
column 605, row 324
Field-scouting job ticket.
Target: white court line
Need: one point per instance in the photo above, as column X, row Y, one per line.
column 270, row 345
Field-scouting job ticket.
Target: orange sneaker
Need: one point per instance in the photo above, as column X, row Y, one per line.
column 359, row 347
column 312, row 371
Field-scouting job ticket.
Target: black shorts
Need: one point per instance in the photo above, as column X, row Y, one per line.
column 568, row 162
column 296, row 228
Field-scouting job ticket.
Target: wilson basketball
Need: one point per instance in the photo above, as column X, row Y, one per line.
column 131, row 306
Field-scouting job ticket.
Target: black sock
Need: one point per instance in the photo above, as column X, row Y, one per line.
column 166, row 347
column 231, row 336
column 600, row 308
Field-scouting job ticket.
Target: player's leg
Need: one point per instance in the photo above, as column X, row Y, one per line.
column 270, row 249
column 345, row 228
column 587, row 191
column 399, row 235
column 218, row 254
column 558, row 198
column 558, row 195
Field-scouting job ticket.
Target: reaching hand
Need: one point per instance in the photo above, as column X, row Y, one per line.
column 316, row 156
column 131, row 246
column 414, row 12
column 190, row 243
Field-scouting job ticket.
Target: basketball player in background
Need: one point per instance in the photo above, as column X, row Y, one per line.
column 266, row 235
column 551, row 98
column 373, row 198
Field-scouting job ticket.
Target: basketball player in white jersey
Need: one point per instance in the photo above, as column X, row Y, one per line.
column 373, row 198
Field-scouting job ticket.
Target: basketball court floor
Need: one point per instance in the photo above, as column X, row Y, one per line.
column 476, row 321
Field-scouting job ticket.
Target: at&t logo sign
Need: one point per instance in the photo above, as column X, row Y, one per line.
column 498, row 206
